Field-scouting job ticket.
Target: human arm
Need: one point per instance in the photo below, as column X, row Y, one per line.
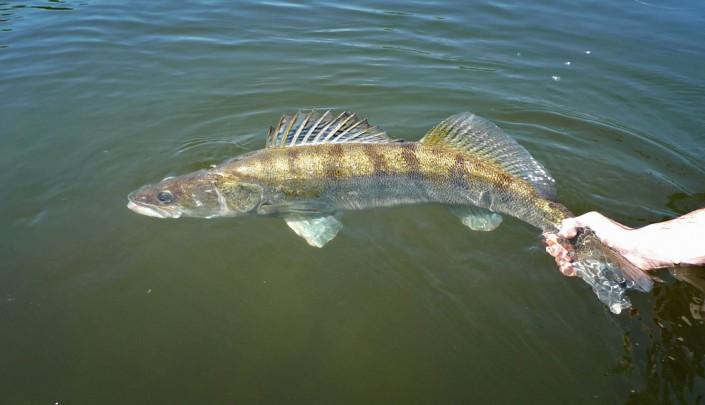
column 680, row 241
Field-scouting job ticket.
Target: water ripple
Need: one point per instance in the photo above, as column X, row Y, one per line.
column 108, row 96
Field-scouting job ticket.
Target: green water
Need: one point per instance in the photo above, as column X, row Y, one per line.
column 99, row 305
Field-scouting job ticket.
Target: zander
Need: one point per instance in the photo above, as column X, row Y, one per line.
column 317, row 165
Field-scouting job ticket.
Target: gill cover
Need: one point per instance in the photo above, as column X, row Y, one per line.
column 241, row 197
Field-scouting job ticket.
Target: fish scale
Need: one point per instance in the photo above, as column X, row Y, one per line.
column 445, row 176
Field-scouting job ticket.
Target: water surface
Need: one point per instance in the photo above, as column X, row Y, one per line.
column 99, row 305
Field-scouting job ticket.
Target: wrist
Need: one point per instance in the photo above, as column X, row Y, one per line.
column 645, row 250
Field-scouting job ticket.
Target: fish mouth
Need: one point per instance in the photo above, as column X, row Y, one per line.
column 151, row 210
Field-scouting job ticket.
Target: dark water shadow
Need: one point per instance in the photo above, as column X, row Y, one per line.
column 667, row 341
column 11, row 13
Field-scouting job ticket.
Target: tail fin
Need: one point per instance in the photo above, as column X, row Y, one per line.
column 607, row 272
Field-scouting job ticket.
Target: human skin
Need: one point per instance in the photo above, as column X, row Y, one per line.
column 680, row 241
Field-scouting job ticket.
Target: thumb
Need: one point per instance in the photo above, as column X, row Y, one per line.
column 569, row 228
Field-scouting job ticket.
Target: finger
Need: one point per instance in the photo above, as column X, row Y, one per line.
column 553, row 250
column 567, row 270
column 550, row 238
column 569, row 228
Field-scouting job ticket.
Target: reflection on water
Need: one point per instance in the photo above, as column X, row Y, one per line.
column 673, row 356
column 694, row 276
column 13, row 14
column 98, row 305
column 673, row 353
column 683, row 203
column 12, row 11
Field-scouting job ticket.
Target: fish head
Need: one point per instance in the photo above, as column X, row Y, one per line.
column 202, row 194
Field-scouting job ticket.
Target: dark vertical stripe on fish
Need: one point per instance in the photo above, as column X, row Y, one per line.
column 408, row 154
column 292, row 155
column 458, row 172
column 335, row 155
column 266, row 160
column 379, row 161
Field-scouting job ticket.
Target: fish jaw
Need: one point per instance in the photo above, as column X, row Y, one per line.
column 151, row 211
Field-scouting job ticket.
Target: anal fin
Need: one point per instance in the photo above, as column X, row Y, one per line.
column 477, row 219
column 316, row 230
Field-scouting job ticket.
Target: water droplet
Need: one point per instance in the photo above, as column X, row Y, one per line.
column 588, row 52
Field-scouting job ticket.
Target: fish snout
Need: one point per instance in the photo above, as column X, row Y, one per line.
column 141, row 203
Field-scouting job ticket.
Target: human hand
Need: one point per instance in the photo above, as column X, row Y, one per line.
column 601, row 225
column 562, row 252
column 558, row 245
column 663, row 244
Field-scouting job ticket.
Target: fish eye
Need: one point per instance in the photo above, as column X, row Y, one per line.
column 165, row 197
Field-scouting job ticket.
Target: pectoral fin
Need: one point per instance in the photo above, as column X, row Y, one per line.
column 478, row 219
column 316, row 230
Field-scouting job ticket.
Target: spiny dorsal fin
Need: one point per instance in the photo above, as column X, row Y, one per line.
column 482, row 138
column 312, row 127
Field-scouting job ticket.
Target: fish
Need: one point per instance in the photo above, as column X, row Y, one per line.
column 317, row 165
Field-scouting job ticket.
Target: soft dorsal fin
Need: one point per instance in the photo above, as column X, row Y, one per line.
column 482, row 138
column 312, row 127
